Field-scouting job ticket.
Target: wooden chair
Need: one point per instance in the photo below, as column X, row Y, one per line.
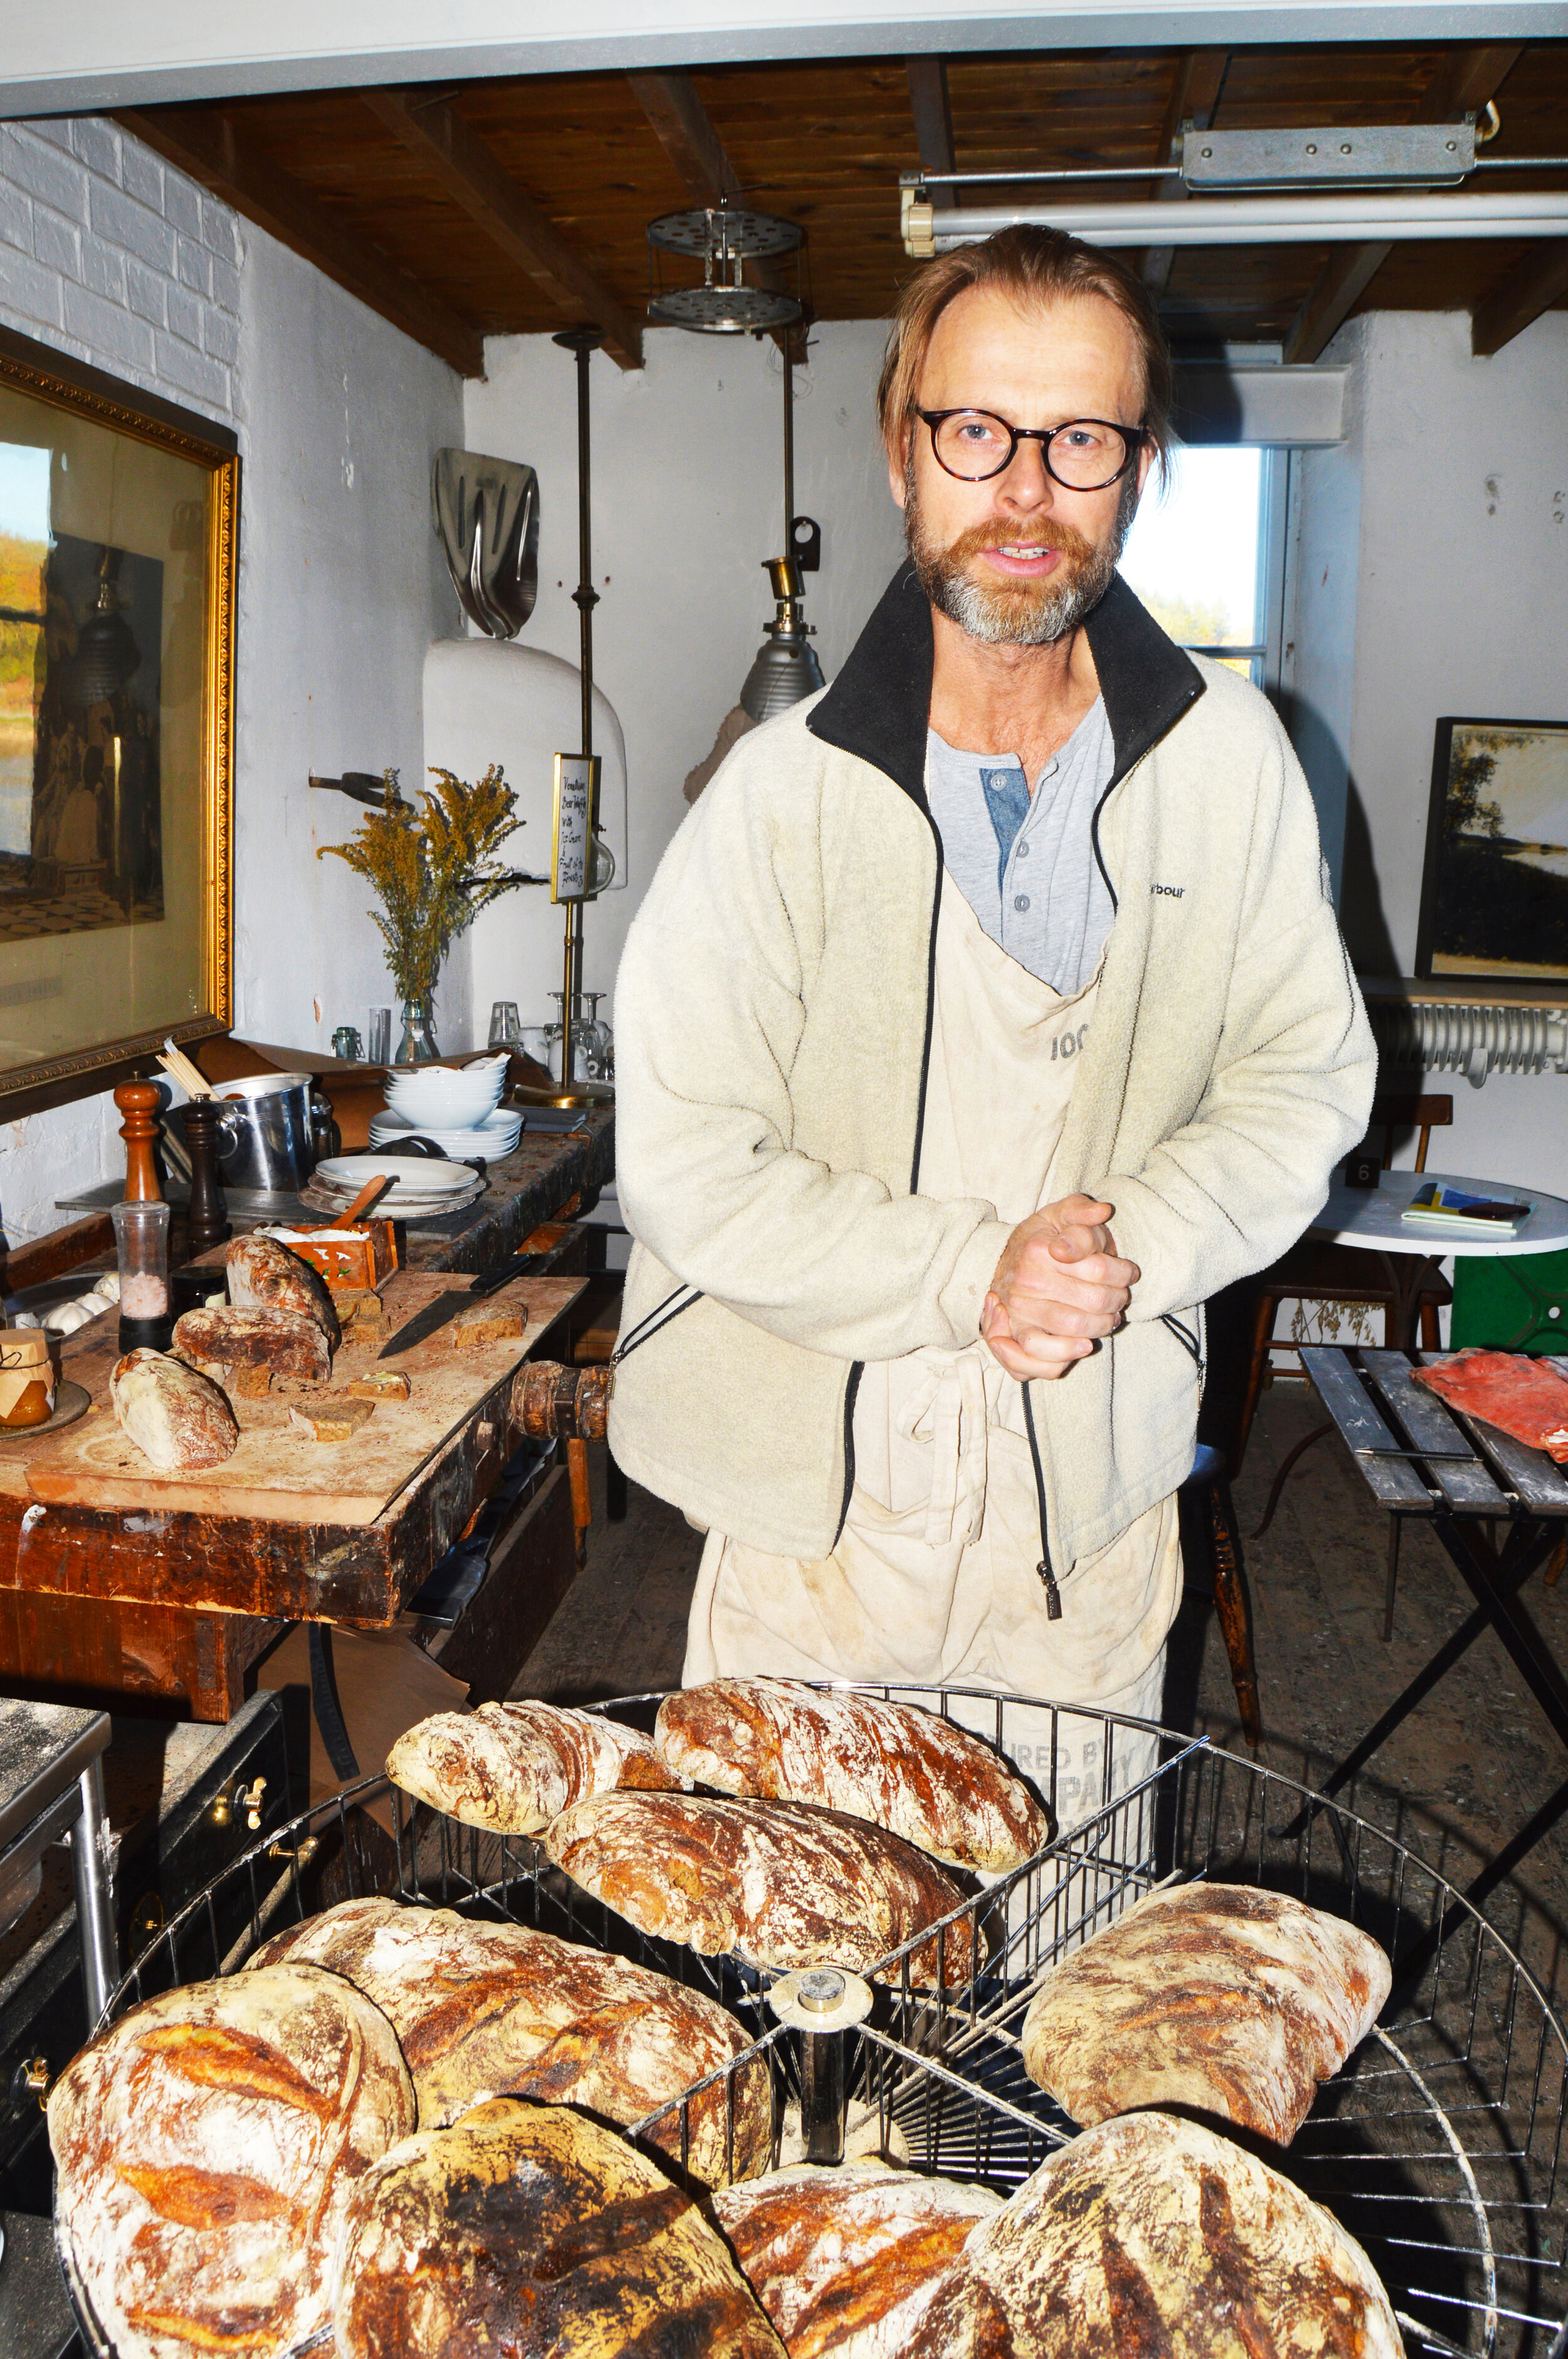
column 1318, row 1272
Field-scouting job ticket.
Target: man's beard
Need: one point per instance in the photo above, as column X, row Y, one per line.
column 1018, row 613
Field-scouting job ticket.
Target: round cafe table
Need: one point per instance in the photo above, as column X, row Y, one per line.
column 1370, row 1218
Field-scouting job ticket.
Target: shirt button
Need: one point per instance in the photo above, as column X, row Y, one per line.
column 1021, row 900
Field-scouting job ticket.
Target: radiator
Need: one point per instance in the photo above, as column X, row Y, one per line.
column 1473, row 1037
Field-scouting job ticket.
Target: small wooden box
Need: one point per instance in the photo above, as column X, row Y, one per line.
column 350, row 1260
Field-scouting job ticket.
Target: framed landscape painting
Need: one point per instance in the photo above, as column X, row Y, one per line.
column 1493, row 902
column 118, row 522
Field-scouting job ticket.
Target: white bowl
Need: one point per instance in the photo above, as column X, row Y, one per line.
column 457, row 1098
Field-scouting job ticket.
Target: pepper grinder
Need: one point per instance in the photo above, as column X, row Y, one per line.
column 141, row 1225
column 208, row 1214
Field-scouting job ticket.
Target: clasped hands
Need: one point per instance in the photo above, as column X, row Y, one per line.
column 1059, row 1285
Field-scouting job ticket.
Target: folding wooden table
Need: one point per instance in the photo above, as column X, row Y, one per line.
column 1419, row 1457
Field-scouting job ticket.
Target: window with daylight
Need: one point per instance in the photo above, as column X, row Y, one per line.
column 1202, row 556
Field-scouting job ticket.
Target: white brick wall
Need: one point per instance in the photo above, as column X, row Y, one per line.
column 113, row 256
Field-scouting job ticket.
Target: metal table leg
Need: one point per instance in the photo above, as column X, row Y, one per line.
column 95, row 1897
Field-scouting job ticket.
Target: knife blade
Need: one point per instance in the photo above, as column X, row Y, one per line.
column 447, row 1306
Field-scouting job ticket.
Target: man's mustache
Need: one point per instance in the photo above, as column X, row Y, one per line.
column 1065, row 540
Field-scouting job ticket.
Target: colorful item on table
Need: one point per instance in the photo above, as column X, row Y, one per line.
column 1478, row 1216
column 1522, row 1396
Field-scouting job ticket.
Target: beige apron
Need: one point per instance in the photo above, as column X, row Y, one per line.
column 934, row 1577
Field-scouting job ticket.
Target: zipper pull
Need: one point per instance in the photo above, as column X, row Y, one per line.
column 1053, row 1594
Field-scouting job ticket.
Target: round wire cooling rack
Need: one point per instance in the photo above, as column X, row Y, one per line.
column 1439, row 2146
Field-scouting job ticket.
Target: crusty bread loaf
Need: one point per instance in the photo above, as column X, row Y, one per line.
column 285, row 1342
column 844, row 2260
column 512, row 1768
column 1220, row 1996
column 264, row 1275
column 207, row 2146
column 528, row 2229
column 485, row 2010
column 1155, row 2236
column 927, row 1779
column 778, row 1882
column 178, row 1419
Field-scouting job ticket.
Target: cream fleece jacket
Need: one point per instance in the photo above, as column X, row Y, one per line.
column 771, row 1024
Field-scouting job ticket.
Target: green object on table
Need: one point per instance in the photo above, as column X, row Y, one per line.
column 1517, row 1302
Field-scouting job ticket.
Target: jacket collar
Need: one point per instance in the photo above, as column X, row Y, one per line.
column 877, row 707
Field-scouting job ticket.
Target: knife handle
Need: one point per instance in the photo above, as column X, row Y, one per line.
column 520, row 1264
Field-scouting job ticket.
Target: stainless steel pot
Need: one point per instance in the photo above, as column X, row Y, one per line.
column 267, row 1139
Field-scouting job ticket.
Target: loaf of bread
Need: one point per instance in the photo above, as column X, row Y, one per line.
column 177, row 1418
column 512, row 1768
column 485, row 2010
column 1232, row 2000
column 1154, row 2235
column 207, row 2146
column 844, row 2260
column 528, row 2229
column 779, row 1883
column 285, row 1344
column 925, row 1778
column 264, row 1275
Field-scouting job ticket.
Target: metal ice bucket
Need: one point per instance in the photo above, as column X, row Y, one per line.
column 266, row 1139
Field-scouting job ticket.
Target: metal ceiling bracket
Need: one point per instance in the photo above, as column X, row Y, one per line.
column 1381, row 156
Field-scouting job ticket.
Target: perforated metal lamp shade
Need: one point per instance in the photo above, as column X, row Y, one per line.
column 106, row 655
column 784, row 670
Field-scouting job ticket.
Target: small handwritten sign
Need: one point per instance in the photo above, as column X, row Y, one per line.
column 571, row 851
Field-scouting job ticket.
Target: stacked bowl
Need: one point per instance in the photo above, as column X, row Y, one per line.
column 458, row 1106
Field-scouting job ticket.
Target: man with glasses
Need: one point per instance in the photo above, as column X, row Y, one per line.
column 986, row 1015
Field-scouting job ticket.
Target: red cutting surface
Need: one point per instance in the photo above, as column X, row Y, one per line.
column 1519, row 1396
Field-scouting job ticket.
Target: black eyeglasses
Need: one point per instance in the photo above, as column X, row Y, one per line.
column 1087, row 454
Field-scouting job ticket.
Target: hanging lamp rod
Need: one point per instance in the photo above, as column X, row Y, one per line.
column 924, row 180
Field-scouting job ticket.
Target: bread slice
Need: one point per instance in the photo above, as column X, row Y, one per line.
column 207, row 2146
column 530, row 2229
column 485, row 2010
column 844, row 2260
column 778, row 1883
column 1156, row 2235
column 512, row 1768
column 905, row 1768
column 1232, row 2000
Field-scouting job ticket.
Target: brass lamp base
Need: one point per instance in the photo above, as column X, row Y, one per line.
column 580, row 1094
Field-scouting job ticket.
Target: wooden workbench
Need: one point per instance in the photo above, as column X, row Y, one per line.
column 116, row 1584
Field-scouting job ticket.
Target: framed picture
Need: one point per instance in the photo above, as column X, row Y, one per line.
column 119, row 516
column 1494, row 901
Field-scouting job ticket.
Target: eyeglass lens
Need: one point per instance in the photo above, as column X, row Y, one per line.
column 1085, row 455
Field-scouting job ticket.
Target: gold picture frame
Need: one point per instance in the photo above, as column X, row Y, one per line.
column 119, row 529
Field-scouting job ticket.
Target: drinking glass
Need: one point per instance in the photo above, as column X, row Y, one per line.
column 379, row 1052
column 504, row 1024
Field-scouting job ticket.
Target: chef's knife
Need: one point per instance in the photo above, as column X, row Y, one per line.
column 447, row 1306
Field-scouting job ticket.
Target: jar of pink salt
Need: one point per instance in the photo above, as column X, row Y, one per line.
column 141, row 1235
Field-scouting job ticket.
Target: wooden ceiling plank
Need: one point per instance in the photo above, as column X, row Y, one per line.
column 468, row 170
column 1195, row 97
column 932, row 109
column 203, row 143
column 1463, row 82
column 1529, row 289
column 684, row 129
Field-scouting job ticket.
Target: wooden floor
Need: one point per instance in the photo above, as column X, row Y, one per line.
column 1456, row 1782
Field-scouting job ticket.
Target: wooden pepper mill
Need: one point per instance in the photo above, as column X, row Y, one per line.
column 209, row 1224
column 139, row 1103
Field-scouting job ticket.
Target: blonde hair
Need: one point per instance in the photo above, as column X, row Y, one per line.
column 1034, row 266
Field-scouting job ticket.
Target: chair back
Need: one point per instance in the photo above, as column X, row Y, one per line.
column 1423, row 1115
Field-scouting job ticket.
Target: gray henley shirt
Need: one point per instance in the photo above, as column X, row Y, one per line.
column 1025, row 863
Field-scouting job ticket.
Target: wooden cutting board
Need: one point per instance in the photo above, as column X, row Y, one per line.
column 276, row 1472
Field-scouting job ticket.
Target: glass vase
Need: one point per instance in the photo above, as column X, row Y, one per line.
column 417, row 1046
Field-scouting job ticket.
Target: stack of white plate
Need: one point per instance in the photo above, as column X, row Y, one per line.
column 495, row 1136
column 426, row 1190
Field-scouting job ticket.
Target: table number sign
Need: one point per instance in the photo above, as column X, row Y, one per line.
column 572, row 847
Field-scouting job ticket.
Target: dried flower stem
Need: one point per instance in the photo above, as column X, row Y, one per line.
column 434, row 868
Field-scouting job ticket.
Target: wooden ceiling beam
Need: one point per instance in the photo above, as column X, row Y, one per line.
column 205, row 144
column 467, row 168
column 1529, row 289
column 1195, row 96
column 933, row 113
column 1465, row 81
